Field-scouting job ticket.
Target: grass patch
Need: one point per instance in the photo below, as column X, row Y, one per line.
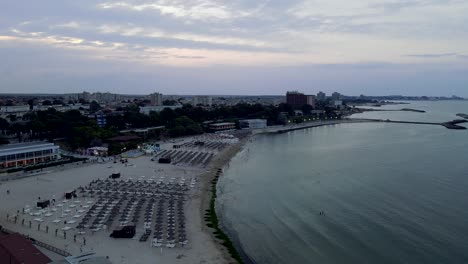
column 213, row 223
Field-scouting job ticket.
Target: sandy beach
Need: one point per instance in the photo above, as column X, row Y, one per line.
column 203, row 247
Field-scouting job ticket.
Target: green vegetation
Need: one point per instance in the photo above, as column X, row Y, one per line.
column 80, row 131
column 212, row 222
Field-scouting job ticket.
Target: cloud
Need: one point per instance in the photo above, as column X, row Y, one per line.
column 430, row 56
column 184, row 57
column 71, row 24
column 193, row 10
column 130, row 31
column 143, row 35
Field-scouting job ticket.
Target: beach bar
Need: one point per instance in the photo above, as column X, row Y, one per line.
column 24, row 154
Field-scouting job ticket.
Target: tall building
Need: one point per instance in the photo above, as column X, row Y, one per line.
column 156, row 99
column 296, row 99
column 321, row 96
column 311, row 100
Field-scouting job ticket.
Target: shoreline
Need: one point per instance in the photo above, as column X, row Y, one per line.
column 209, row 190
column 225, row 159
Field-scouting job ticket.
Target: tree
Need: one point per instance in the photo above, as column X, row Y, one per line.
column 94, row 106
column 46, row 102
column 31, row 103
column 169, row 102
column 177, row 131
column 307, row 109
column 57, row 102
column 4, row 141
column 154, row 118
column 4, row 125
column 167, row 115
column 37, row 127
column 12, row 117
column 183, row 126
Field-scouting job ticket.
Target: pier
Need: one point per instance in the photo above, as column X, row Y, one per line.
column 284, row 129
column 450, row 125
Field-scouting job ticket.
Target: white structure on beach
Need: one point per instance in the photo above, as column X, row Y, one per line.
column 23, row 154
column 222, row 126
column 253, row 123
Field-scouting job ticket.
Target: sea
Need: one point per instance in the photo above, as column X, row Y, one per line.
column 353, row 193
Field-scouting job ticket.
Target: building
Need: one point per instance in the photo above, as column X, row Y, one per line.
column 24, row 154
column 97, row 151
column 14, row 109
column 202, row 100
column 311, row 100
column 222, row 126
column 253, row 123
column 296, row 99
column 156, row 99
column 321, row 96
column 101, row 120
column 336, row 96
column 298, row 113
column 338, row 104
column 16, row 249
column 147, row 109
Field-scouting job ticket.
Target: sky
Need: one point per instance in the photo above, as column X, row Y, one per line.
column 235, row 47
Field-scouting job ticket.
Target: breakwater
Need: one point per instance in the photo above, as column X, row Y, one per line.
column 450, row 124
column 284, row 129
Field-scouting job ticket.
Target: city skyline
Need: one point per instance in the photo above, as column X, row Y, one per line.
column 235, row 47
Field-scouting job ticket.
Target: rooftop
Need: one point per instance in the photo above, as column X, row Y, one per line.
column 141, row 130
column 125, row 138
column 21, row 250
column 25, row 146
column 223, row 124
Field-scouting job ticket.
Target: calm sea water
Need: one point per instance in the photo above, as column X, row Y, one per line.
column 390, row 193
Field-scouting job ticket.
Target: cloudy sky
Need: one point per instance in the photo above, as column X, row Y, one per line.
column 410, row 47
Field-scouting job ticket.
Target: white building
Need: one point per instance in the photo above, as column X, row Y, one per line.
column 14, row 109
column 338, row 104
column 156, row 99
column 253, row 123
column 202, row 100
column 24, row 154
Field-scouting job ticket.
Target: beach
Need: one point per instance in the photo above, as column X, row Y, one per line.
column 203, row 247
